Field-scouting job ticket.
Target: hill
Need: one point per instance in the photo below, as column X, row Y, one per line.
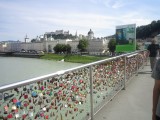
column 148, row 31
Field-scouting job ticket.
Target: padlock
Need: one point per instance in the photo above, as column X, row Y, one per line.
column 17, row 115
column 40, row 94
column 42, row 114
column 14, row 107
column 44, row 109
column 6, row 108
column 48, row 100
column 25, row 103
column 30, row 100
column 7, row 96
column 35, row 88
column 14, row 100
column 34, row 94
column 42, row 87
column 40, row 102
column 25, row 95
column 50, row 93
column 46, row 117
column 47, row 109
column 31, row 107
column 24, row 116
column 24, row 88
column 10, row 116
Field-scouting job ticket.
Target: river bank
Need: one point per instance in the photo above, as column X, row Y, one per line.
column 72, row 58
column 21, row 54
column 58, row 57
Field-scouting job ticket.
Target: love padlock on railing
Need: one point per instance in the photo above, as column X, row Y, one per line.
column 25, row 95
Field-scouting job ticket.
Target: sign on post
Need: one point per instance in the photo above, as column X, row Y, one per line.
column 126, row 38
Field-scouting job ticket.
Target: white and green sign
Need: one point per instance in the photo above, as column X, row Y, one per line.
column 126, row 38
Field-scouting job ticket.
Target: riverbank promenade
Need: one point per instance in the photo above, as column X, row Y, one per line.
column 134, row 103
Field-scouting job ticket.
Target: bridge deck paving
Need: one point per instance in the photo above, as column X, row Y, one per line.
column 134, row 103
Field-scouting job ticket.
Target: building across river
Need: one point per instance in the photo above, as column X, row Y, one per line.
column 96, row 45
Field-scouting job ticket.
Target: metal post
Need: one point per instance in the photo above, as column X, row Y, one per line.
column 137, row 65
column 143, row 61
column 91, row 93
column 124, row 83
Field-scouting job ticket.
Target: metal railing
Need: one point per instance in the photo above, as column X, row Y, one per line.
column 76, row 93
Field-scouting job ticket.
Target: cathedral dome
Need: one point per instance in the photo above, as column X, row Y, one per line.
column 90, row 32
column 90, row 35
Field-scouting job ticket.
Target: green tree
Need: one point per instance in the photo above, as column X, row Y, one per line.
column 59, row 48
column 68, row 48
column 112, row 46
column 148, row 31
column 83, row 44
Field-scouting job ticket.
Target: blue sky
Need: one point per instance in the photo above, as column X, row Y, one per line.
column 35, row 17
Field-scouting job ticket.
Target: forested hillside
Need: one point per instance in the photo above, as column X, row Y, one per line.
column 148, row 31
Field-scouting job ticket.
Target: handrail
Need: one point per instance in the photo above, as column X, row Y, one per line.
column 89, row 86
column 29, row 81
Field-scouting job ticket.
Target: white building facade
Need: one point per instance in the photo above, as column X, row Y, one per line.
column 96, row 46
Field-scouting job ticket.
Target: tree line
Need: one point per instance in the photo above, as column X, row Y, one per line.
column 148, row 31
column 62, row 48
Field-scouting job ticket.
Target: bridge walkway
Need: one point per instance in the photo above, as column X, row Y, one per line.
column 134, row 103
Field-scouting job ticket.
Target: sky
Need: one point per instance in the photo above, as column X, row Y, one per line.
column 19, row 18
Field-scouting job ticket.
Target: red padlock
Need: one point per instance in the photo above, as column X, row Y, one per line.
column 31, row 107
column 25, row 96
column 42, row 114
column 42, row 88
column 10, row 116
column 46, row 117
column 14, row 100
column 25, row 104
column 24, row 116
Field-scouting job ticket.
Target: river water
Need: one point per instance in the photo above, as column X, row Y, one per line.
column 14, row 69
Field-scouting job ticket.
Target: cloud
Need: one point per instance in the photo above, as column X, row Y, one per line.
column 118, row 4
column 115, row 4
column 100, row 15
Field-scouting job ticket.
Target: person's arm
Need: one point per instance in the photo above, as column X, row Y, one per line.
column 156, row 93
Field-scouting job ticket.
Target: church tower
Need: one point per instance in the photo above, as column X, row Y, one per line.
column 90, row 35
